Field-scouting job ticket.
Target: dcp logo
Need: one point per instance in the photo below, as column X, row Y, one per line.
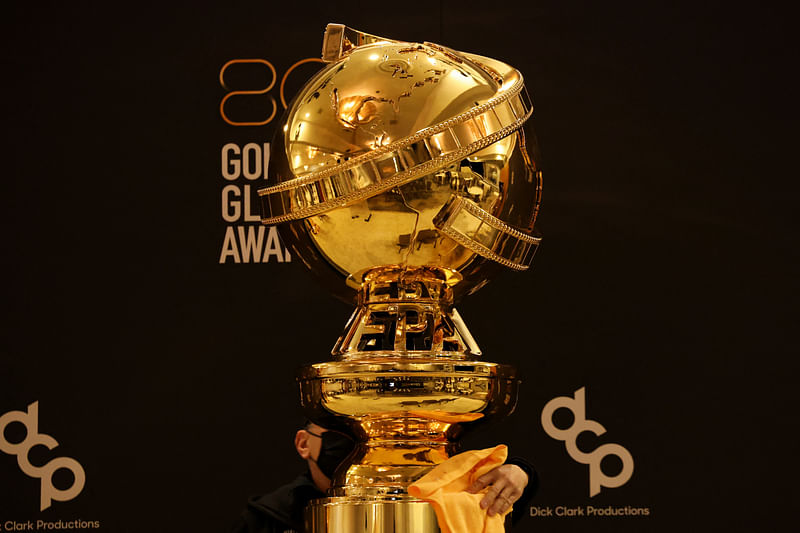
column 577, row 405
column 45, row 473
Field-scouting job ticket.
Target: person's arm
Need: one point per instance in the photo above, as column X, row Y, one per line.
column 513, row 483
column 522, row 504
column 250, row 523
column 253, row 520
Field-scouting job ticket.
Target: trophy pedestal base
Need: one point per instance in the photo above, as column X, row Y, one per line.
column 346, row 514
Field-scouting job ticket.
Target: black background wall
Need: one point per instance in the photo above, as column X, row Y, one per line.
column 666, row 284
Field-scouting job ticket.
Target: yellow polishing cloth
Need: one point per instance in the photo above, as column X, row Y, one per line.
column 445, row 487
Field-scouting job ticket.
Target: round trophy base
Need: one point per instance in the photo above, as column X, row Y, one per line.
column 346, row 514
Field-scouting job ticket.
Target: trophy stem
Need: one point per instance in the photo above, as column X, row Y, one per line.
column 406, row 312
column 406, row 384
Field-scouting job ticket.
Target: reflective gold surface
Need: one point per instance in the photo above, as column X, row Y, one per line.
column 465, row 222
column 329, row 178
column 405, row 387
column 430, row 396
column 377, row 148
column 407, row 414
column 359, row 515
column 404, row 175
column 405, row 312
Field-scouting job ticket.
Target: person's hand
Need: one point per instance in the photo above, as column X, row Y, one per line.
column 506, row 483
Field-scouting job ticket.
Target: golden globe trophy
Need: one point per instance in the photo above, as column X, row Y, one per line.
column 404, row 176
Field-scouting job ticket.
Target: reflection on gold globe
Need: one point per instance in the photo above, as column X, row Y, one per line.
column 409, row 155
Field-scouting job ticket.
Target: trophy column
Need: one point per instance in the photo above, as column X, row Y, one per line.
column 406, row 382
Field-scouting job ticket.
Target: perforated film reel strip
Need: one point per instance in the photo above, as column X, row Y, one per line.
column 471, row 226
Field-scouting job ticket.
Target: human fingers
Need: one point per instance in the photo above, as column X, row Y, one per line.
column 491, row 495
column 504, row 500
column 483, row 482
column 516, row 477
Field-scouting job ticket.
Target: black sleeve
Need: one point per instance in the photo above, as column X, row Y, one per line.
column 252, row 522
column 521, row 505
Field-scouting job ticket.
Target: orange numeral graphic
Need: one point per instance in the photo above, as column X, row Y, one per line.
column 244, row 93
column 231, row 94
column 289, row 71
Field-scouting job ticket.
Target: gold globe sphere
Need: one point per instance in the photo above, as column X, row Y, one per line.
column 406, row 155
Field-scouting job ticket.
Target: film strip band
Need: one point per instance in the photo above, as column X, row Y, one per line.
column 402, row 161
column 472, row 227
column 339, row 40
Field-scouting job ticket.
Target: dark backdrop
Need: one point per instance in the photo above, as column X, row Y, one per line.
column 666, row 284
